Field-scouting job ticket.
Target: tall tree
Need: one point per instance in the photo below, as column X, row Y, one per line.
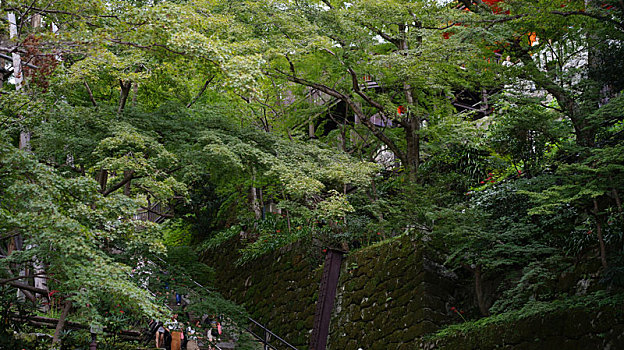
column 331, row 47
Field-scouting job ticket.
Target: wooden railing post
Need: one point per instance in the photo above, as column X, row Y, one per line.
column 325, row 303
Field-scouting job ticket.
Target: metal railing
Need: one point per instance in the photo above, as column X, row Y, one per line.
column 267, row 332
column 155, row 213
column 267, row 336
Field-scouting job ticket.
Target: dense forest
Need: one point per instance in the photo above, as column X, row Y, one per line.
column 135, row 135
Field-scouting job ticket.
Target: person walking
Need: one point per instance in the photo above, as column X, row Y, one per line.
column 178, row 298
column 174, row 328
column 160, row 336
column 192, row 332
column 213, row 331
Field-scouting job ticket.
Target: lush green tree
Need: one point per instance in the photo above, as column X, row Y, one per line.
column 306, row 181
column 78, row 233
column 563, row 49
column 226, row 111
column 330, row 48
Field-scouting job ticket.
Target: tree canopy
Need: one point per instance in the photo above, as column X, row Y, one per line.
column 492, row 130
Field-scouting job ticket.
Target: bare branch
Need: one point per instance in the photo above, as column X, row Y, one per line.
column 200, row 92
column 7, row 280
column 27, row 287
column 90, row 93
column 354, row 107
column 127, row 178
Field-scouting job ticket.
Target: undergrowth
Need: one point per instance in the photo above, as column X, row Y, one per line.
column 597, row 299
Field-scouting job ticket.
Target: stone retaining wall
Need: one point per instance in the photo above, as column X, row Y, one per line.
column 388, row 295
column 279, row 290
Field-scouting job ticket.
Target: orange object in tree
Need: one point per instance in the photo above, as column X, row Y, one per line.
column 532, row 38
column 493, row 5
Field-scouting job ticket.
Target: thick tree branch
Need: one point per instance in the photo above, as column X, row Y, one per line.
column 381, row 33
column 123, row 97
column 7, row 280
column 200, row 92
column 590, row 14
column 159, row 213
column 153, row 47
column 56, row 339
column 468, row 4
column 27, row 287
column 9, row 58
column 326, row 2
column 354, row 107
column 90, row 93
column 355, row 83
column 127, row 177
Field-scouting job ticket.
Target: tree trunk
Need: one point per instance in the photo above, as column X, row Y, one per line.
column 25, row 135
column 413, row 146
column 102, row 179
column 17, row 59
column 603, row 249
column 93, row 102
column 484, row 99
column 56, row 339
column 123, row 97
column 18, row 77
column 479, row 291
column 616, row 196
column 41, row 281
column 288, row 221
column 36, row 20
column 412, row 129
column 135, row 93
column 311, row 130
column 127, row 173
column 253, row 198
column 261, row 201
column 24, row 141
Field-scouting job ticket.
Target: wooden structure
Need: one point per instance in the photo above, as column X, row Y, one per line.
column 327, row 296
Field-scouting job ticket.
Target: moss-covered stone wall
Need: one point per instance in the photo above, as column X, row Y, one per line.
column 388, row 295
column 567, row 329
column 391, row 295
column 279, row 290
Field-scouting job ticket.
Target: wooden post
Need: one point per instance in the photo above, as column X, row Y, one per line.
column 327, row 296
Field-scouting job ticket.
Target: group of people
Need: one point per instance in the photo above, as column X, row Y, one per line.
column 172, row 334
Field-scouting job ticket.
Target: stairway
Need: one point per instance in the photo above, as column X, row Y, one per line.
column 262, row 336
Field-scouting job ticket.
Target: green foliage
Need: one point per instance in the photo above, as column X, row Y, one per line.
column 515, row 190
column 526, row 133
column 177, row 233
column 9, row 307
column 75, row 228
column 537, row 283
column 185, row 260
column 535, row 308
column 220, row 237
column 277, row 231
